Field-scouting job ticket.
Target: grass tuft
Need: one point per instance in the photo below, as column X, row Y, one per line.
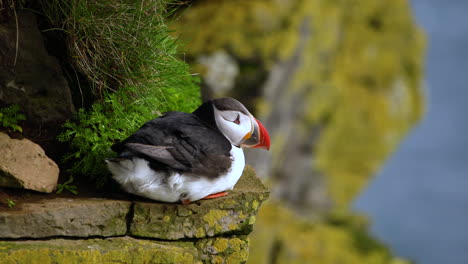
column 124, row 50
column 115, row 44
column 10, row 117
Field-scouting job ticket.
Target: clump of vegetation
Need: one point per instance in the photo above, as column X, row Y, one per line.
column 10, row 117
column 10, row 203
column 94, row 131
column 116, row 44
column 67, row 186
column 124, row 50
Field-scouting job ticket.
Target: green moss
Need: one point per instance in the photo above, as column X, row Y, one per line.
column 255, row 204
column 221, row 244
column 213, row 218
column 112, row 250
column 129, row 60
column 10, row 117
column 200, row 232
column 281, row 237
column 224, row 250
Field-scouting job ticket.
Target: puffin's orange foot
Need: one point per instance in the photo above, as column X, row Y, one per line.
column 215, row 195
column 185, row 202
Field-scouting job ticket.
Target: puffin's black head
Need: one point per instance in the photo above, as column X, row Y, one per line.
column 236, row 123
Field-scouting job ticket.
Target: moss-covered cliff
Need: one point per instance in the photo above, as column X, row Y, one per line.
column 337, row 84
column 356, row 74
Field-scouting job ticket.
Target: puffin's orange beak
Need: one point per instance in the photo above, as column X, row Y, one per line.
column 259, row 138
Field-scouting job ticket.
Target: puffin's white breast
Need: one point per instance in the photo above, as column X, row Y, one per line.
column 138, row 178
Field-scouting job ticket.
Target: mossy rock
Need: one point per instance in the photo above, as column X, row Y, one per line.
column 110, row 250
column 65, row 217
column 232, row 214
column 222, row 250
column 207, row 231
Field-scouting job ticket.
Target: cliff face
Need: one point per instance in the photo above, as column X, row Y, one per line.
column 337, row 84
column 102, row 230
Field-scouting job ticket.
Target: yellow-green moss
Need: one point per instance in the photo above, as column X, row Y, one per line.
column 255, row 204
column 253, row 28
column 200, row 232
column 221, row 244
column 214, row 216
column 224, row 250
column 281, row 235
column 111, row 250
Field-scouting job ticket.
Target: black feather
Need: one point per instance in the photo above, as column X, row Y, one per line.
column 180, row 142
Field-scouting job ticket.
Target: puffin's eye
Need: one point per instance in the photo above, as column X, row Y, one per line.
column 237, row 121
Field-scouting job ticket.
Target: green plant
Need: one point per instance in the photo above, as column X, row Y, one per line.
column 115, row 43
column 93, row 132
column 125, row 51
column 67, row 186
column 10, row 117
column 10, row 203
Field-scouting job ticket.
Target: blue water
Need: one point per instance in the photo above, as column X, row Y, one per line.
column 418, row 203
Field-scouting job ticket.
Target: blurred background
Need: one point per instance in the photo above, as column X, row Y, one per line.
column 339, row 84
column 418, row 202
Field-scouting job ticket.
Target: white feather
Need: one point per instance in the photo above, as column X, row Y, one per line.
column 138, row 178
column 234, row 132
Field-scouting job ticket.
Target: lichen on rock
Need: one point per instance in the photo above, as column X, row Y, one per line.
column 109, row 250
column 224, row 250
column 231, row 214
column 102, row 230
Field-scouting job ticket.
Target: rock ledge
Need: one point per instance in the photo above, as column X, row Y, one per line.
column 87, row 230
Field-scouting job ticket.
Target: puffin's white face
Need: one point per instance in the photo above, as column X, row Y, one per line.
column 235, row 125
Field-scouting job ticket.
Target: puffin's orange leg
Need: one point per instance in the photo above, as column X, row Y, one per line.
column 215, row 195
column 211, row 196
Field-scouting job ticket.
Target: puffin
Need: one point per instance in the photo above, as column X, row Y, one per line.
column 186, row 157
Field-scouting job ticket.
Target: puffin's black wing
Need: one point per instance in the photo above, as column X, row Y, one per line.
column 181, row 142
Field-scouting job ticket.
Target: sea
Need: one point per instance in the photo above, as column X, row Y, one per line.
column 418, row 203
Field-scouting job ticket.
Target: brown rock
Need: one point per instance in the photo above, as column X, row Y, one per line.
column 23, row 164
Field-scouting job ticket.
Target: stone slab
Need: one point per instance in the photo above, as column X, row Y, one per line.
column 99, row 217
column 80, row 217
column 232, row 214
